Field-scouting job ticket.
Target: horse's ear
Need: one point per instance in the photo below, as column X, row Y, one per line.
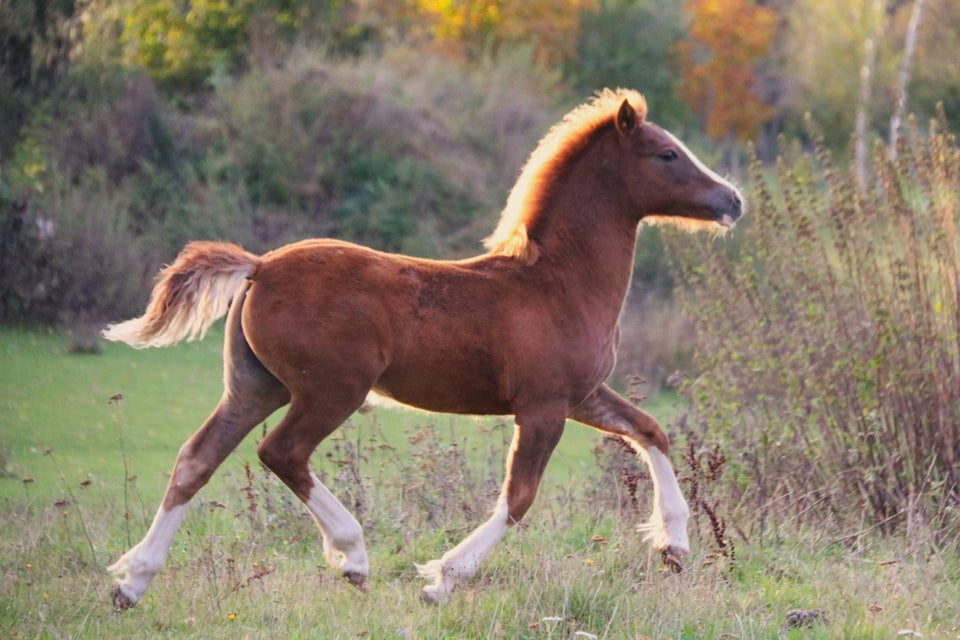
column 626, row 119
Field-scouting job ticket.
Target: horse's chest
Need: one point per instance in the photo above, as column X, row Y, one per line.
column 584, row 358
column 605, row 357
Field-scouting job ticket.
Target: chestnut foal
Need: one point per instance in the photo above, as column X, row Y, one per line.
column 528, row 329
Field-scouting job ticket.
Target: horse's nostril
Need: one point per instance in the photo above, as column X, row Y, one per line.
column 736, row 202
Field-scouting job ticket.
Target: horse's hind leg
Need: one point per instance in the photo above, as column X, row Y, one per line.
column 251, row 394
column 534, row 438
column 667, row 527
column 286, row 451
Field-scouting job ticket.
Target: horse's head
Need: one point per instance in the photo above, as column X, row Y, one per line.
column 666, row 182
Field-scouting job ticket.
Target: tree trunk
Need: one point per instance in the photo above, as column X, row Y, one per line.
column 903, row 79
column 863, row 102
column 861, row 153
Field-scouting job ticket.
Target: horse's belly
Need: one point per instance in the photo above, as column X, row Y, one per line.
column 466, row 389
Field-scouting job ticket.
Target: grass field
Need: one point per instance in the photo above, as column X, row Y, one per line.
column 82, row 475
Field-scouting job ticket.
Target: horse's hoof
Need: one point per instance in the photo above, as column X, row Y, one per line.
column 121, row 601
column 359, row 580
column 672, row 559
column 432, row 596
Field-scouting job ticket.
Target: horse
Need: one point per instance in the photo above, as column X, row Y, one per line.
column 527, row 329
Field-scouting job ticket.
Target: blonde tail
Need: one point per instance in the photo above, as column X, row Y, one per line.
column 189, row 296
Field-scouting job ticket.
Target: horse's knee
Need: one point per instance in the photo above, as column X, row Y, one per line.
column 268, row 455
column 274, row 458
column 290, row 467
column 650, row 434
column 520, row 496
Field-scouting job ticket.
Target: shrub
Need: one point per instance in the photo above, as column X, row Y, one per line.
column 403, row 152
column 380, row 150
column 828, row 337
column 90, row 202
column 72, row 263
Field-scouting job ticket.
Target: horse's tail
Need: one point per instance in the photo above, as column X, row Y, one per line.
column 189, row 295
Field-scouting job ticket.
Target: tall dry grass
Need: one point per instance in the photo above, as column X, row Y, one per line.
column 829, row 341
column 247, row 561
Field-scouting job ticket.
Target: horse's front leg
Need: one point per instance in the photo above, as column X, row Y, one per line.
column 667, row 527
column 534, row 437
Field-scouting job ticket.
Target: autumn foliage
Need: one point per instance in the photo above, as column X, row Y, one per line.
column 727, row 38
column 469, row 28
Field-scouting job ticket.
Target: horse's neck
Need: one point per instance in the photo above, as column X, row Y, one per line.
column 588, row 236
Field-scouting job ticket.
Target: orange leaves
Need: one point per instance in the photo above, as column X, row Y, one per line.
column 468, row 28
column 726, row 38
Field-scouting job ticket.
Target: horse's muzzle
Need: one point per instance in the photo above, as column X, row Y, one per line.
column 732, row 211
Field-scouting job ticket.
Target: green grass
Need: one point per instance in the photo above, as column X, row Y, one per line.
column 247, row 562
column 59, row 427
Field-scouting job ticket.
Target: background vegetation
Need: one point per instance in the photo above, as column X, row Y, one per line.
column 816, row 350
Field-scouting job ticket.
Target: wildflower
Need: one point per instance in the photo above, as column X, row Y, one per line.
column 28, row 566
column 588, row 561
column 232, row 616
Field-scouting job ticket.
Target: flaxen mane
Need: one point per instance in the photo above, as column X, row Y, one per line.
column 562, row 142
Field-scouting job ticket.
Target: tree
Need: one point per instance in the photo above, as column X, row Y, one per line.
column 632, row 43
column 36, row 38
column 903, row 78
column 867, row 71
column 727, row 38
column 181, row 42
column 472, row 28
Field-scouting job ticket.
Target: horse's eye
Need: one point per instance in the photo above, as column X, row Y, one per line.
column 669, row 155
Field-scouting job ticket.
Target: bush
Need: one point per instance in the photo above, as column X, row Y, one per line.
column 403, row 152
column 656, row 343
column 89, row 202
column 79, row 269
column 828, row 338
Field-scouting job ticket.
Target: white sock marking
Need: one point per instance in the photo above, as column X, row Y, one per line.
column 668, row 523
column 463, row 561
column 342, row 534
column 137, row 566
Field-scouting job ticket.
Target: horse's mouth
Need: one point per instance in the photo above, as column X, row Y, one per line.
column 727, row 221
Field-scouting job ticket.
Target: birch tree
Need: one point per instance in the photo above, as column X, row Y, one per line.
column 867, row 70
column 903, row 78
